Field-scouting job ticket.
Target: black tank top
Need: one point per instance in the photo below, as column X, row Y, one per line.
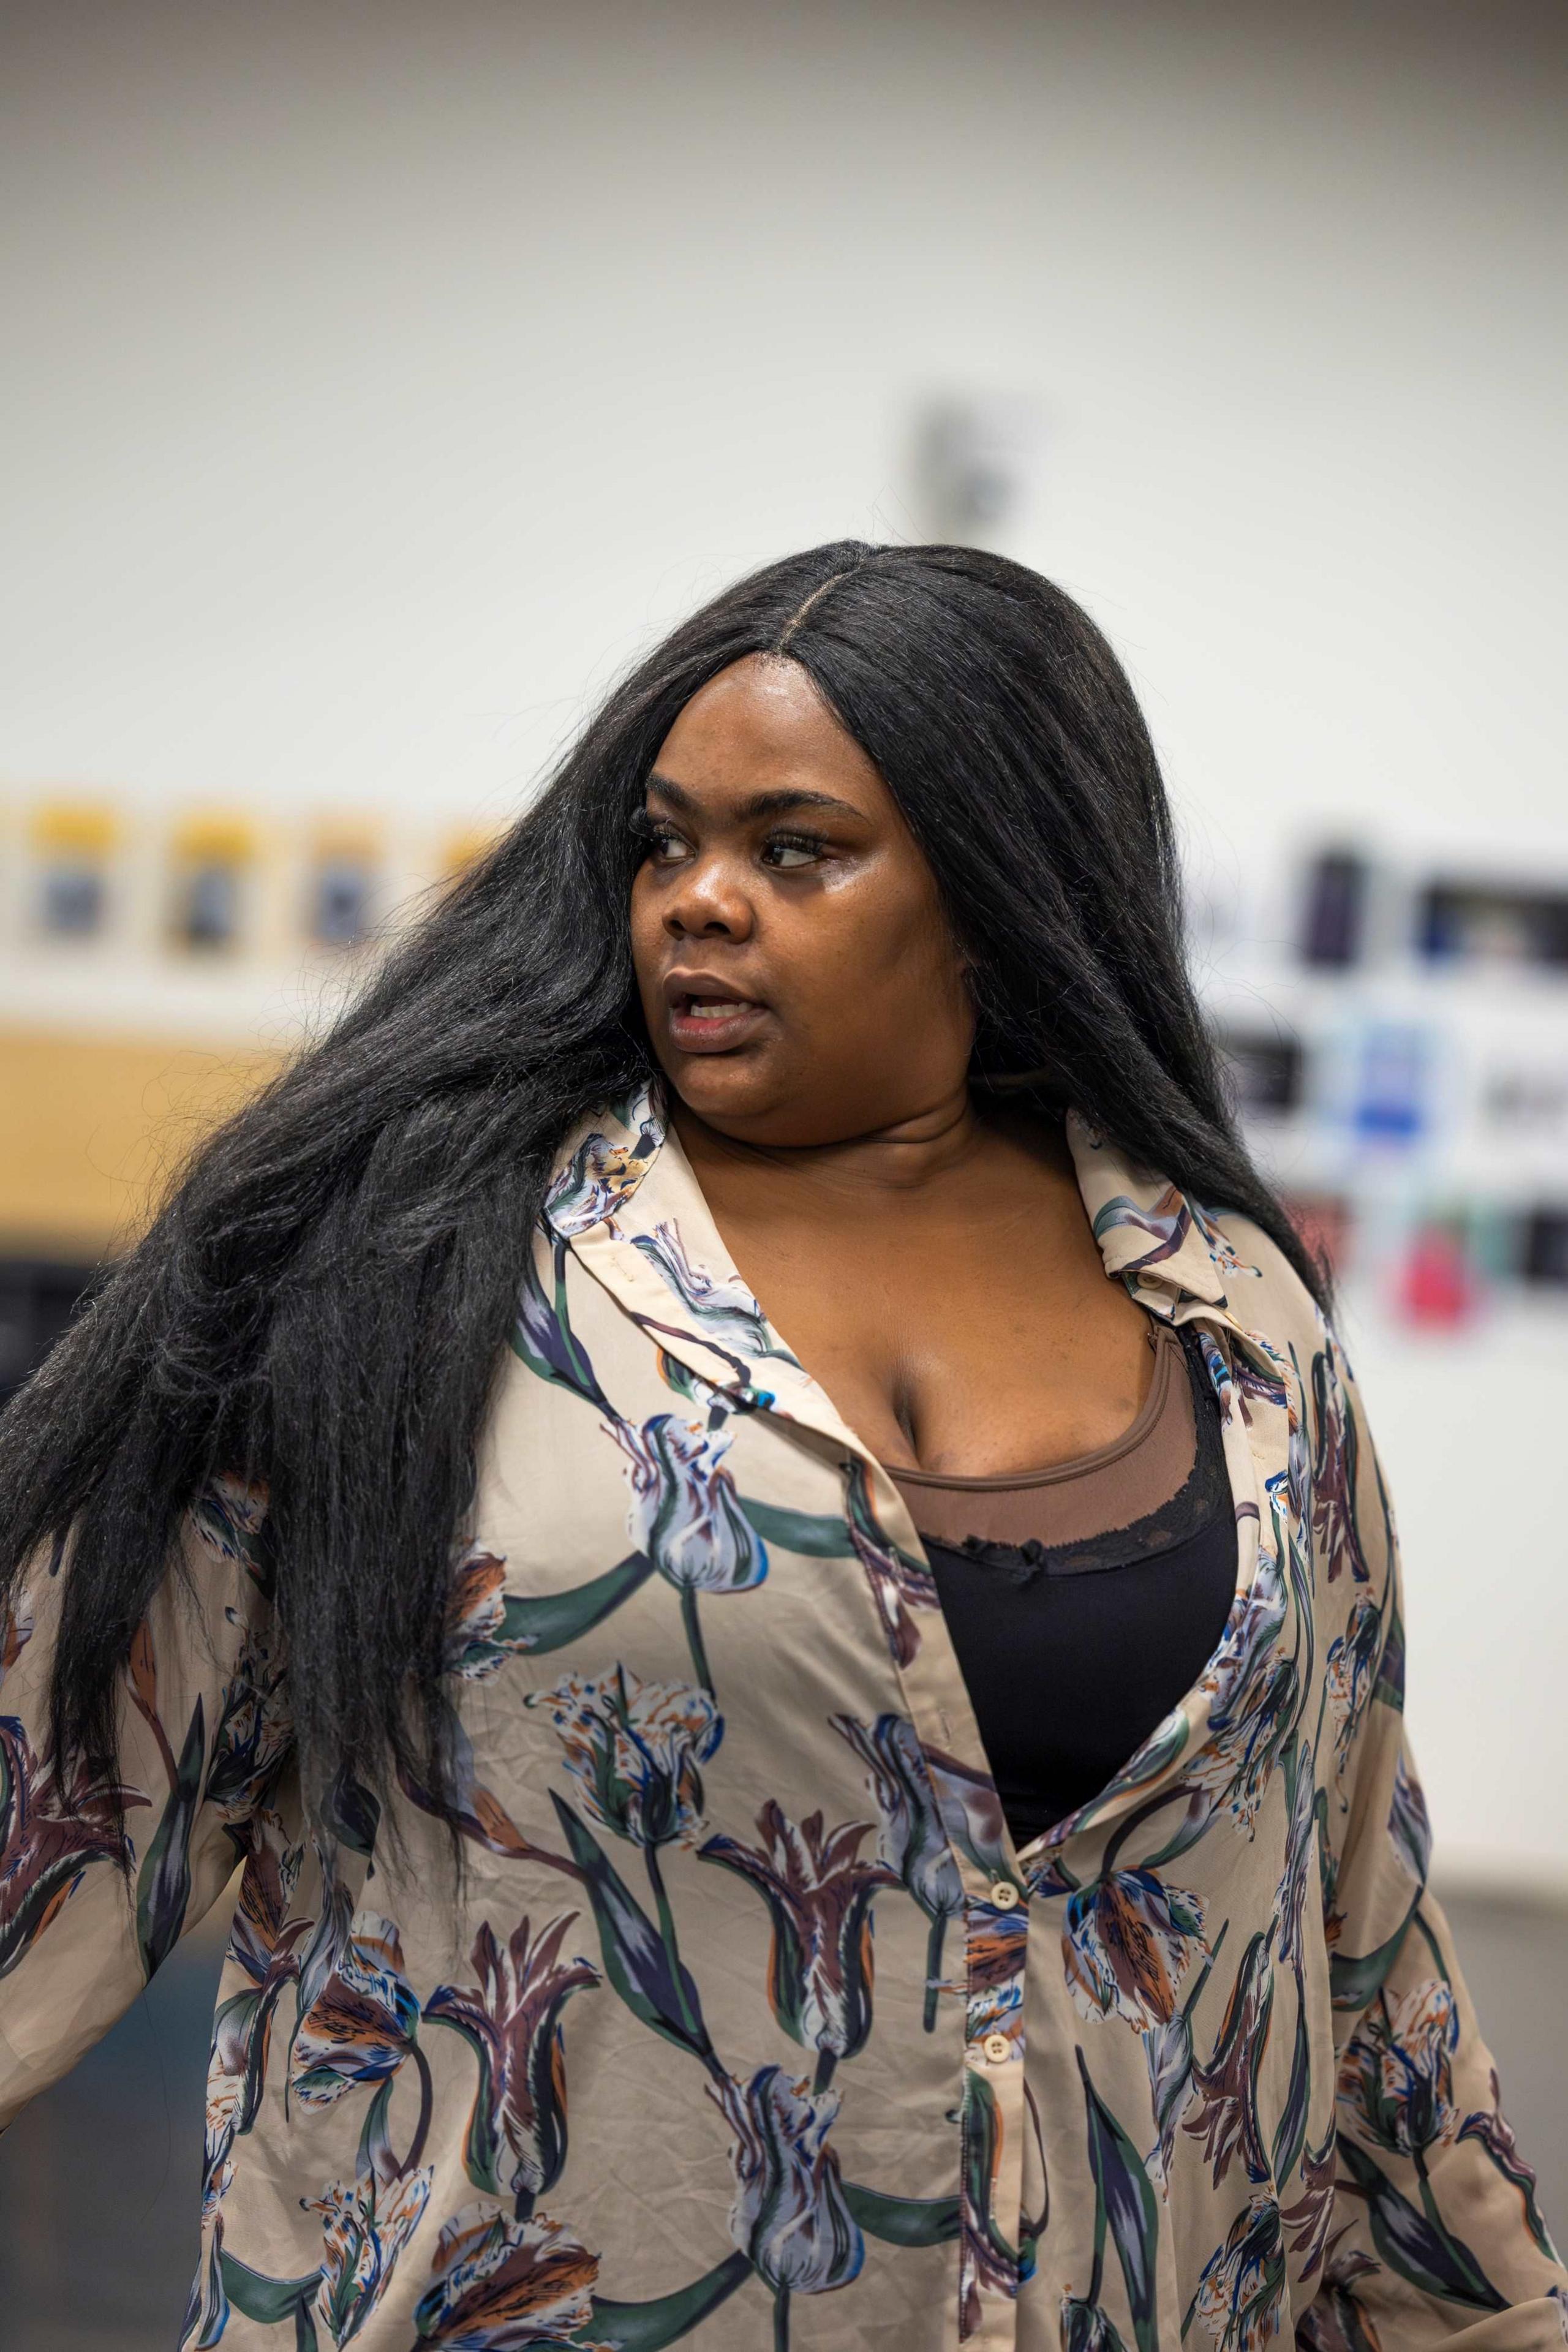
column 1084, row 1601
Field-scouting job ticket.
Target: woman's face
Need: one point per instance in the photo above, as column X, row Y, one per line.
column 796, row 970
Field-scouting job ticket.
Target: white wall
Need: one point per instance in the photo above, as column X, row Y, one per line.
column 379, row 376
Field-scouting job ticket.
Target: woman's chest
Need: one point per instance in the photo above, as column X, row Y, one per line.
column 951, row 1355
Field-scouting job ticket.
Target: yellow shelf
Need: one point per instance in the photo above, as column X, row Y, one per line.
column 94, row 1128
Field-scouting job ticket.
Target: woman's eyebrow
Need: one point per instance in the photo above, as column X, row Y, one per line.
column 755, row 804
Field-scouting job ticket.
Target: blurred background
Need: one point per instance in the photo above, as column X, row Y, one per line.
column 380, row 378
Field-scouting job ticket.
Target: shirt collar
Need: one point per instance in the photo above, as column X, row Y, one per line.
column 622, row 1168
column 1151, row 1234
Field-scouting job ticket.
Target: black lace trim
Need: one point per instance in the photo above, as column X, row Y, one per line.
column 1203, row 1495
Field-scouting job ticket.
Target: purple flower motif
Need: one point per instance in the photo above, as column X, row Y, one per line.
column 476, row 1641
column 262, row 1946
column 229, row 1516
column 789, row 2217
column 1301, row 1852
column 1168, row 2054
column 971, row 1811
column 363, row 2023
column 1335, row 2321
column 506, row 2285
column 15, row 1631
column 1127, row 1941
column 635, row 1750
column 517, row 2133
column 819, row 1893
column 1241, row 2288
column 1313, row 2210
column 1226, row 2120
column 1166, row 1223
column 1490, row 2127
column 49, row 1836
column 902, row 1587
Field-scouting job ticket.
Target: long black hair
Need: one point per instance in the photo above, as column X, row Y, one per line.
column 323, row 1300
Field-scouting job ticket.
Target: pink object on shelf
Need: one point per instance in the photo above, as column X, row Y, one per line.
column 1437, row 1285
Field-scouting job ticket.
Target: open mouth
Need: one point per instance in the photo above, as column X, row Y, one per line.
column 708, row 1016
column 693, row 1007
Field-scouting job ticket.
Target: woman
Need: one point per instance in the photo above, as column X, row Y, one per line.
column 624, row 1473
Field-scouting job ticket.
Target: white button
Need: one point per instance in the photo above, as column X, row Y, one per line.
column 1004, row 1895
column 996, row 2048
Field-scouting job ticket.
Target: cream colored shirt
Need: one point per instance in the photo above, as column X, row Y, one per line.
column 748, row 2026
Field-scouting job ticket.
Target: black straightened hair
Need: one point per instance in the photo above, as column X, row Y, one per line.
column 322, row 1303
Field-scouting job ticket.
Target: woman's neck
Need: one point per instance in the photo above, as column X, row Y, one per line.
column 919, row 1153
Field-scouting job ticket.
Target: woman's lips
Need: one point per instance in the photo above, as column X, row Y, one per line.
column 713, row 1024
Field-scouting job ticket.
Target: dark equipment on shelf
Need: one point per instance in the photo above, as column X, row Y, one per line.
column 1333, row 914
column 38, row 1300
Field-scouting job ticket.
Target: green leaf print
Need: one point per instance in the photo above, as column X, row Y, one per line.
column 555, row 1620
column 1355, row 1979
column 1125, row 2198
column 163, row 1883
column 640, row 1960
column 649, row 2326
column 903, row 2220
column 266, row 2300
column 817, row 1535
column 1418, row 2246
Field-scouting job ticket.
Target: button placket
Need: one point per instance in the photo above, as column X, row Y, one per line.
column 997, row 1919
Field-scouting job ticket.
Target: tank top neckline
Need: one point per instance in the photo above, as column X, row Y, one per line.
column 1167, row 1349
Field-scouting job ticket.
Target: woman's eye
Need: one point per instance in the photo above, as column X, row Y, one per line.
column 792, row 850
column 661, row 841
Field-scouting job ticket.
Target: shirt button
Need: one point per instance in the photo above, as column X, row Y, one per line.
column 996, row 2048
column 1005, row 1895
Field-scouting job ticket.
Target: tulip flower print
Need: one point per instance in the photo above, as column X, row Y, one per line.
column 1396, row 2075
column 912, row 1841
column 1127, row 1941
column 600, row 1174
column 506, row 2285
column 1334, row 1472
column 726, row 1312
column 819, row 1892
column 50, row 1835
column 254, row 1729
column 686, row 1516
column 636, row 1750
column 1227, row 2119
column 365, row 2225
column 511, row 2020
column 363, row 2023
column 1241, row 2289
column 789, row 2217
column 1254, row 1693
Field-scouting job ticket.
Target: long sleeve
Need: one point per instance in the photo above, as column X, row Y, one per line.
column 1435, row 2236
column 94, row 1895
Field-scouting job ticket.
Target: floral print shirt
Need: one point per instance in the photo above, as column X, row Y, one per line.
column 746, row 2024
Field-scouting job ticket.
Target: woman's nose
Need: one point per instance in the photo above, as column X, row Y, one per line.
column 708, row 905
